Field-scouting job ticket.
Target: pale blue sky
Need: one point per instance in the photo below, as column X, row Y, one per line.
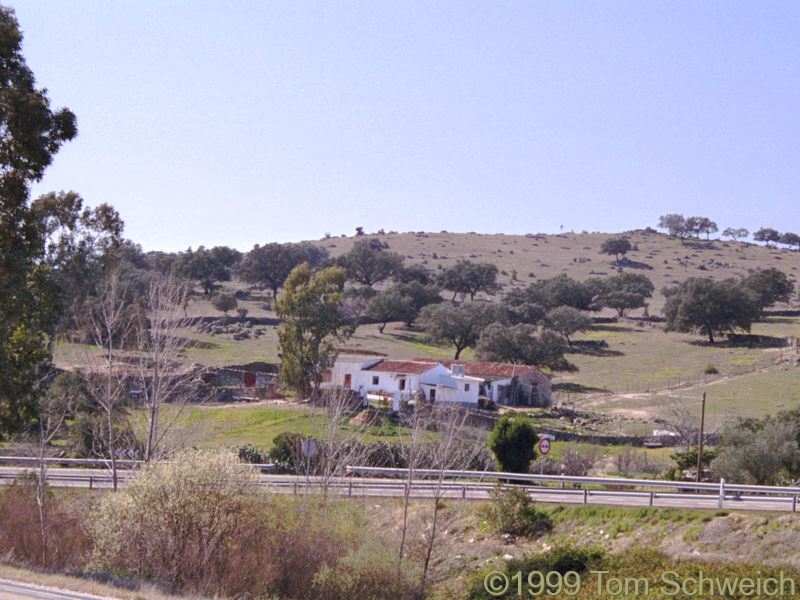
column 249, row 122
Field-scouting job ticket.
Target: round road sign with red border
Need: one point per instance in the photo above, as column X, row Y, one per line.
column 544, row 446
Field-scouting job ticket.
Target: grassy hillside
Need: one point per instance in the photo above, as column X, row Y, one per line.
column 640, row 369
column 539, row 256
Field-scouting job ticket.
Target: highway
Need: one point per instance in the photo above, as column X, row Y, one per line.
column 376, row 487
column 13, row 590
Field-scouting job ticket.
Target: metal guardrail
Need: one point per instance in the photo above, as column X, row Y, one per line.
column 464, row 484
column 474, row 490
column 722, row 489
column 122, row 463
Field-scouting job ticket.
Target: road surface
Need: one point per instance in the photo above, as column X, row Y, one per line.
column 13, row 590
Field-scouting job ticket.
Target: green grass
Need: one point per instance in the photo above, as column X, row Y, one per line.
column 643, row 359
column 238, row 425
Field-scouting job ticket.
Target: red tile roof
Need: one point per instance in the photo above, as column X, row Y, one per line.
column 484, row 369
column 403, row 366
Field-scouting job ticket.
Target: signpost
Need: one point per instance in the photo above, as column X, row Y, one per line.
column 309, row 449
column 544, row 448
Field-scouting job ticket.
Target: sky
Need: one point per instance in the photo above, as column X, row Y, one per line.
column 243, row 122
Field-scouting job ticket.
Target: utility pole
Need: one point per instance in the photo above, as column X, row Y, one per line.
column 700, row 446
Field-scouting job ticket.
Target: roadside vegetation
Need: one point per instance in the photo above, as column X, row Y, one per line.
column 200, row 526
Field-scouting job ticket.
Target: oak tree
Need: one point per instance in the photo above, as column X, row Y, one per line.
column 710, row 306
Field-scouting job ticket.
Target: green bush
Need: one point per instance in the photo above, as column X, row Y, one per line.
column 513, row 511
column 710, row 369
column 252, row 455
column 224, row 303
column 513, row 442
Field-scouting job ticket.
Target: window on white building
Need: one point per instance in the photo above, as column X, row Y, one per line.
column 375, row 380
column 466, row 387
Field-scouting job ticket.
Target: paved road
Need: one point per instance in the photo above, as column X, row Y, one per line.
column 12, row 590
column 384, row 487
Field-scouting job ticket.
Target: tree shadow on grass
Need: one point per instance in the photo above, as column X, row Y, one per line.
column 403, row 337
column 201, row 344
column 593, row 348
column 698, row 244
column 616, row 328
column 738, row 340
column 625, row 262
column 578, row 388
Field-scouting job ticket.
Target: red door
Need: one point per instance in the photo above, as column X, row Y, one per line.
column 347, row 380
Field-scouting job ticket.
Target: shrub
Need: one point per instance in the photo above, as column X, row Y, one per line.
column 513, row 511
column 185, row 523
column 66, row 543
column 224, row 303
column 710, row 369
column 252, row 455
column 512, row 442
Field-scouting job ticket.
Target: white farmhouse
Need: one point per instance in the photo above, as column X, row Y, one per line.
column 508, row 384
column 438, row 383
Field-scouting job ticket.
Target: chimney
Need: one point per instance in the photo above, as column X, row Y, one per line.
column 458, row 370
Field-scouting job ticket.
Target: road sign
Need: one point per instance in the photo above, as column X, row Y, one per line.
column 544, row 446
column 309, row 448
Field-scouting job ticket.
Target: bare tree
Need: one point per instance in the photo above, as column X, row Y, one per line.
column 108, row 323
column 53, row 409
column 160, row 341
column 412, row 454
column 454, row 447
column 338, row 450
column 679, row 418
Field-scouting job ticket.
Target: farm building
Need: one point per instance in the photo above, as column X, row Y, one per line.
column 374, row 375
column 507, row 384
column 459, row 382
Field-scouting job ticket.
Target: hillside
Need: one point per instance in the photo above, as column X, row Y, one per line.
column 639, row 371
column 665, row 260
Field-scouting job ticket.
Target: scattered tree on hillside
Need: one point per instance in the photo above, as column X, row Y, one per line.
column 469, row 278
column 674, row 224
column 460, row 325
column 767, row 235
column 270, row 265
column 565, row 291
column 224, row 303
column 413, row 274
column 567, row 321
column 790, row 239
column 311, row 322
column 369, row 262
column 205, row 266
column 769, row 286
column 706, row 225
column 530, row 304
column 616, row 246
column 420, row 295
column 513, row 443
column 625, row 292
column 390, row 305
column 524, row 344
column 735, row 233
column 712, row 307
